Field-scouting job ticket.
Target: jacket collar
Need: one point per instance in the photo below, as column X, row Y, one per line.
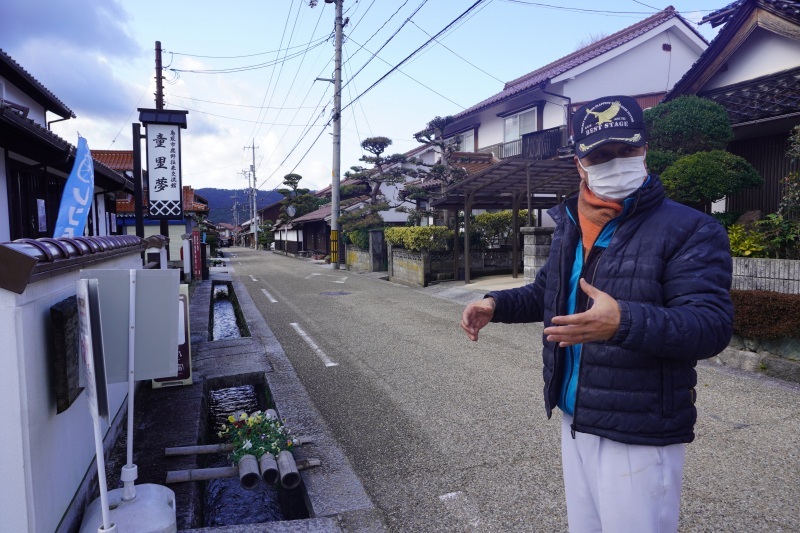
column 646, row 197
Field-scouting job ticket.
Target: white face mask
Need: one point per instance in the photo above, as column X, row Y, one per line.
column 617, row 178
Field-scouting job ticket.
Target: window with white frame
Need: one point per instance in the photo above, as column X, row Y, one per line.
column 518, row 125
column 467, row 141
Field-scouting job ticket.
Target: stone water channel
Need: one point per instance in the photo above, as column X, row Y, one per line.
column 226, row 503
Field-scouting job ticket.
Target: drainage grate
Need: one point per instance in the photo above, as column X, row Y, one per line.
column 334, row 293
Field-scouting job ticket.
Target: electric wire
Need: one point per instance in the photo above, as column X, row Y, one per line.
column 128, row 120
column 456, row 54
column 272, row 74
column 258, row 66
column 387, row 41
column 376, row 31
column 412, row 54
column 234, row 105
column 409, row 77
column 291, row 85
column 278, row 51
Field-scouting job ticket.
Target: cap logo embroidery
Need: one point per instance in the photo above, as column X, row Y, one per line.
column 606, row 115
column 586, row 147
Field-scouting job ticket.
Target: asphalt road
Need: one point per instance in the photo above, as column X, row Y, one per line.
column 449, row 435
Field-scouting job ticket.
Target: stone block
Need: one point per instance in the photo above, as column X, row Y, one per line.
column 741, row 359
column 780, row 368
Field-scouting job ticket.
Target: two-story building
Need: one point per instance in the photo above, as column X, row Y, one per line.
column 35, row 162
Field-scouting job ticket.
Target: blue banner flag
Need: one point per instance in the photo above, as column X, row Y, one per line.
column 78, row 193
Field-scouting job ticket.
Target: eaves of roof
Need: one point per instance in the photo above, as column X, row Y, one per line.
column 543, row 75
column 738, row 18
column 31, row 135
column 21, row 78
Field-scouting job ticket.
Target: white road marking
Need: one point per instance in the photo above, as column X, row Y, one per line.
column 462, row 508
column 313, row 345
column 338, row 279
column 239, row 262
column 269, row 296
column 251, row 277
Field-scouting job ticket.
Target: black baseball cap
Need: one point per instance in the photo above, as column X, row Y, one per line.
column 605, row 120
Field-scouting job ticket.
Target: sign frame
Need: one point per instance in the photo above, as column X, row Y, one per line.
column 164, row 181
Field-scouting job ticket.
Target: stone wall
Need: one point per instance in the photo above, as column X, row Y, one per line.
column 777, row 275
column 536, row 249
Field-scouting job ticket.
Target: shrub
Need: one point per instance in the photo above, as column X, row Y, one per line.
column 659, row 160
column 496, row 228
column 746, row 243
column 781, row 236
column 756, row 312
column 360, row 238
column 420, row 238
column 727, row 219
column 705, row 177
column 688, row 124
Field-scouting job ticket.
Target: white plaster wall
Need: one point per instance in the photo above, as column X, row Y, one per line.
column 640, row 67
column 45, row 455
column 761, row 54
column 13, row 94
column 5, row 223
column 491, row 129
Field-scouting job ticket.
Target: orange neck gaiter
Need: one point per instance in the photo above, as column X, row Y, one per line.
column 593, row 214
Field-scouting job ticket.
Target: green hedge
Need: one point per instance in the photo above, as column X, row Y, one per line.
column 420, row 238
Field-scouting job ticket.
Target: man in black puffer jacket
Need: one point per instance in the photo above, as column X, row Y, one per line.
column 634, row 292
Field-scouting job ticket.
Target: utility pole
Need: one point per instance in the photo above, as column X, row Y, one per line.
column 337, row 135
column 164, row 226
column 254, row 192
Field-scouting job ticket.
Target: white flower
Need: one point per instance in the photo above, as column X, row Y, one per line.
column 247, row 444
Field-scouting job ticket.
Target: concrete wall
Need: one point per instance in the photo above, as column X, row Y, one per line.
column 409, row 268
column 358, row 260
column 777, row 275
column 45, row 456
column 535, row 250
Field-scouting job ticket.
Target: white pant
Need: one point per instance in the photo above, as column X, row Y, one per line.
column 620, row 488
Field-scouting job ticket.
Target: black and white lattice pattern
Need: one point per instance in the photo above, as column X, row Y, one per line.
column 165, row 208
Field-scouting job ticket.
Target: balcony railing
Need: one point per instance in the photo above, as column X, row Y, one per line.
column 543, row 144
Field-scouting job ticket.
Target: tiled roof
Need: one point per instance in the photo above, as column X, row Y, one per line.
column 125, row 205
column 472, row 162
column 325, row 211
column 14, row 73
column 736, row 17
column 19, row 123
column 120, row 160
column 577, row 58
column 790, row 9
column 327, row 190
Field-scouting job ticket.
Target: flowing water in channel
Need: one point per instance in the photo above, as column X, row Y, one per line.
column 224, row 316
column 227, row 503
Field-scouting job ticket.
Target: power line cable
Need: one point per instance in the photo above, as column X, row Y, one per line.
column 233, row 105
column 256, row 66
column 456, row 54
column 128, row 120
column 291, row 85
column 412, row 54
column 409, row 77
column 239, row 56
column 272, row 74
column 387, row 42
column 376, row 31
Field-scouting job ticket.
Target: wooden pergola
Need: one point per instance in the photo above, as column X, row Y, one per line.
column 511, row 183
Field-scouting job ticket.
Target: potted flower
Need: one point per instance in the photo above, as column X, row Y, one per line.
column 258, row 441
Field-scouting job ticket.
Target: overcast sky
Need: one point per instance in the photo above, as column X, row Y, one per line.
column 97, row 56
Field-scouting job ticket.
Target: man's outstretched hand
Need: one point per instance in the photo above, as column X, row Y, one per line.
column 599, row 323
column 476, row 315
